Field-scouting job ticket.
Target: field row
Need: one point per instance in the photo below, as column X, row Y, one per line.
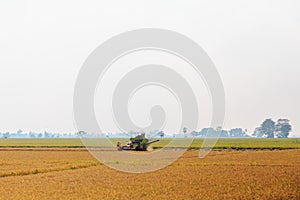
column 222, row 143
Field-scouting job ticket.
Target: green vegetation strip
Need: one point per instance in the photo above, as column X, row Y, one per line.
column 222, row 143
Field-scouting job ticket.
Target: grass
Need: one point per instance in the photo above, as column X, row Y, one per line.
column 222, row 143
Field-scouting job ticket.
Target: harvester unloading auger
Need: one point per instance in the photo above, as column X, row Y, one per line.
column 138, row 143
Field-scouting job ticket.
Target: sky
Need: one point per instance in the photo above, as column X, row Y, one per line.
column 255, row 46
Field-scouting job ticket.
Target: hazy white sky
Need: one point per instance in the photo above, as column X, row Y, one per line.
column 255, row 46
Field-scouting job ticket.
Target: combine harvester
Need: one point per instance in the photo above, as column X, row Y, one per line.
column 138, row 143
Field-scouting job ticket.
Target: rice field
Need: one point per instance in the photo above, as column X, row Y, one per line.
column 75, row 174
column 222, row 143
column 236, row 169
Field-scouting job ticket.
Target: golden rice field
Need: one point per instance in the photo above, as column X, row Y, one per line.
column 59, row 173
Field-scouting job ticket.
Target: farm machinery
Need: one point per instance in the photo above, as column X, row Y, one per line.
column 138, row 143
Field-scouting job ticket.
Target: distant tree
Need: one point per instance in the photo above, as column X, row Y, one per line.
column 31, row 134
column 81, row 133
column 268, row 128
column 194, row 133
column 237, row 132
column 161, row 134
column 203, row 132
column 223, row 133
column 184, row 131
column 219, row 128
column 208, row 132
column 282, row 128
column 258, row 132
column 46, row 134
column 6, row 135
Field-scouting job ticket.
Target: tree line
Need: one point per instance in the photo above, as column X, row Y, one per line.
column 271, row 129
column 268, row 129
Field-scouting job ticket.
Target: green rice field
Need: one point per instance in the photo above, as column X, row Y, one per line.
column 222, row 143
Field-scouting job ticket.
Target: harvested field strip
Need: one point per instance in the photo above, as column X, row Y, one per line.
column 39, row 171
column 42, row 149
